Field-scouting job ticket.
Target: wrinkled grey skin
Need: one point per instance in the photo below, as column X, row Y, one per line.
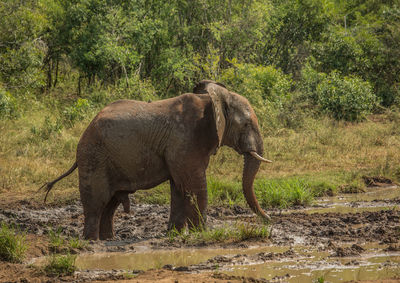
column 133, row 145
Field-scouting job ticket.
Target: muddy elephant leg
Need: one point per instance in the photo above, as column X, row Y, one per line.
column 177, row 216
column 123, row 197
column 189, row 200
column 92, row 211
column 195, row 205
column 95, row 195
column 106, row 221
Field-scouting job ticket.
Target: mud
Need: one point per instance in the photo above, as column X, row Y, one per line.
column 304, row 239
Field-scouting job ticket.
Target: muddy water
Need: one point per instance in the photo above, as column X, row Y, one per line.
column 159, row 258
column 301, row 265
column 314, row 265
column 374, row 199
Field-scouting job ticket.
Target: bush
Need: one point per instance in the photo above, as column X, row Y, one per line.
column 257, row 83
column 266, row 88
column 345, row 98
column 76, row 112
column 8, row 105
column 12, row 245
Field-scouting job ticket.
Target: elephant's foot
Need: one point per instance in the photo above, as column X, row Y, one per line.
column 106, row 235
column 91, row 232
column 91, row 227
column 177, row 226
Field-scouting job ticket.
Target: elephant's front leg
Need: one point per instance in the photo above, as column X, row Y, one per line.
column 188, row 201
column 177, row 218
column 195, row 207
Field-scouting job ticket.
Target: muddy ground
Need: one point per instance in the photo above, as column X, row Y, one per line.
column 338, row 234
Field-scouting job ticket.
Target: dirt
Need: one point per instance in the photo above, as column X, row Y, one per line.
column 339, row 234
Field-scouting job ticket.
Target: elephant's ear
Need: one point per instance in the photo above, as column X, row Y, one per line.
column 202, row 86
column 215, row 90
column 219, row 116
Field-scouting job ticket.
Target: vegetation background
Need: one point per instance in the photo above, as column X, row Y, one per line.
column 322, row 75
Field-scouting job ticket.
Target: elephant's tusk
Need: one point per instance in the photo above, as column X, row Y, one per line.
column 258, row 157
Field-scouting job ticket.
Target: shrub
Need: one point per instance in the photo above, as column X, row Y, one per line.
column 58, row 265
column 12, row 245
column 257, row 82
column 266, row 88
column 8, row 105
column 345, row 98
column 76, row 112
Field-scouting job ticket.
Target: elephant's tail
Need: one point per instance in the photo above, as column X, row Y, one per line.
column 48, row 186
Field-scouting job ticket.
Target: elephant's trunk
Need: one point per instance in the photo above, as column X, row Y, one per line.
column 250, row 170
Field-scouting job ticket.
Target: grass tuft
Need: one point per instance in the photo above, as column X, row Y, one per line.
column 76, row 243
column 56, row 243
column 12, row 245
column 59, row 265
column 283, row 193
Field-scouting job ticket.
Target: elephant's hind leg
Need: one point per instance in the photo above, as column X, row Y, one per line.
column 106, row 221
column 95, row 195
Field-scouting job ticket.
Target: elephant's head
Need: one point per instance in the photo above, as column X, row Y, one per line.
column 237, row 127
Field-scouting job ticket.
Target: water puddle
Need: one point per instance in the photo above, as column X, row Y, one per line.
column 370, row 194
column 374, row 199
column 158, row 258
column 373, row 268
column 296, row 264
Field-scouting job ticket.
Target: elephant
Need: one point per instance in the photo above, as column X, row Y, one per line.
column 134, row 145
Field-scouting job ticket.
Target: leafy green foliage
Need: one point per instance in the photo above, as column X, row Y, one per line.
column 266, row 88
column 146, row 50
column 76, row 112
column 8, row 105
column 345, row 98
column 12, row 244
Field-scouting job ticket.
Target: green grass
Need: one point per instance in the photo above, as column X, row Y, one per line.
column 228, row 233
column 158, row 195
column 12, row 244
column 60, row 244
column 56, row 241
column 59, row 265
column 283, row 193
column 76, row 243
